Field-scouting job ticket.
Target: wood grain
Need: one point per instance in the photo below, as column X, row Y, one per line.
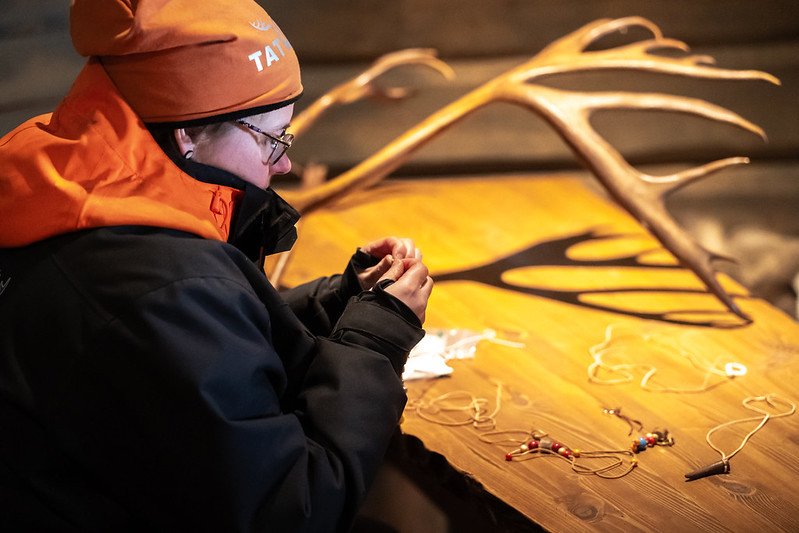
column 573, row 271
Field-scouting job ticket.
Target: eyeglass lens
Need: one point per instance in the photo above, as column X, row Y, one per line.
column 279, row 147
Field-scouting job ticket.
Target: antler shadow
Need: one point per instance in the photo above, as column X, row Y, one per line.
column 554, row 253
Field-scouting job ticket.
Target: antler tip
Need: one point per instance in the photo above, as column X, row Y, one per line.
column 744, row 316
column 772, row 79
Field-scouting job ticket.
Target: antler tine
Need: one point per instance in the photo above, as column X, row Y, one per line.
column 658, row 101
column 363, row 85
column 642, row 47
column 578, row 40
column 637, row 56
column 671, row 182
column 427, row 57
column 568, row 54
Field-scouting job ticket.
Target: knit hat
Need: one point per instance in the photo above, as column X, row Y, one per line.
column 189, row 61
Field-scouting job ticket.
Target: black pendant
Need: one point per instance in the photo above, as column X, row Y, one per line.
column 721, row 467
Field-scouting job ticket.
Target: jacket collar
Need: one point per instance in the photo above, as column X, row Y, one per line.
column 93, row 163
column 263, row 223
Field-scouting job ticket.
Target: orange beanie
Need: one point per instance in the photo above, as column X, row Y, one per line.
column 186, row 61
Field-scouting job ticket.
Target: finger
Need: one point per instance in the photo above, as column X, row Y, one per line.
column 414, row 274
column 380, row 247
column 400, row 249
column 395, row 271
column 384, row 264
column 410, row 248
column 427, row 288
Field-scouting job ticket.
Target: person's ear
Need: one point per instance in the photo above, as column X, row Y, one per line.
column 185, row 143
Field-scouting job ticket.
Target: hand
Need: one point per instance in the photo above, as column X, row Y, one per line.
column 387, row 249
column 412, row 284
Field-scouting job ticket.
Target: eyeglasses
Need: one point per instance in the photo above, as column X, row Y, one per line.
column 279, row 144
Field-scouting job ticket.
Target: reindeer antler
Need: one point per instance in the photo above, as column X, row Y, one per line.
column 363, row 85
column 569, row 113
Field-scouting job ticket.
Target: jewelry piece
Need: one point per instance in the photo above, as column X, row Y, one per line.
column 537, row 443
column 723, row 466
column 189, row 154
column 630, row 421
column 658, row 437
column 625, row 371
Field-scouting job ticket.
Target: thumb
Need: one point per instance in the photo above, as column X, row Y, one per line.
column 395, row 271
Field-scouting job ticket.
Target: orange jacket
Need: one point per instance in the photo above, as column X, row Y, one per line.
column 93, row 163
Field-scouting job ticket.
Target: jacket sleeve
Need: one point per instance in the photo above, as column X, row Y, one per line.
column 320, row 303
column 196, row 422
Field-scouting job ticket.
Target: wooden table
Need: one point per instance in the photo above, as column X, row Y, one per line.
column 549, row 262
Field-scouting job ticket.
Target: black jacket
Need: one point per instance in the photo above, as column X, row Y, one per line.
column 151, row 379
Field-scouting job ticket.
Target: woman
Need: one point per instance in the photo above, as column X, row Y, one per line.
column 150, row 376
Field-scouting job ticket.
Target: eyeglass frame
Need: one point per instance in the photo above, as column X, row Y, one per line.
column 285, row 140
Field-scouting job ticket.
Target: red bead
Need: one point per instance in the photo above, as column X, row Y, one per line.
column 565, row 452
column 533, row 444
column 650, row 441
column 556, row 446
column 509, row 457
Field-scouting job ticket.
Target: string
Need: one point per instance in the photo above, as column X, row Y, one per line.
column 488, row 334
column 475, row 409
column 632, row 422
column 770, row 399
column 626, row 370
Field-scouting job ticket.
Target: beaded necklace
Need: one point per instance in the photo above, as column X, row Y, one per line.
column 536, row 443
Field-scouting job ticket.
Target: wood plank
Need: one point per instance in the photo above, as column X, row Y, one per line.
column 467, row 223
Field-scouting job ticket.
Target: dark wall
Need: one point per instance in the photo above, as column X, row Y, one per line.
column 343, row 30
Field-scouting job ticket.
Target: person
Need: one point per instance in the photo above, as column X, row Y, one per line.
column 151, row 378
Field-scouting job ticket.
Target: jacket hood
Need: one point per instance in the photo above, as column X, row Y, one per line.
column 93, row 163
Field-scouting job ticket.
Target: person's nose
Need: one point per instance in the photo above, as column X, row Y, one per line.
column 282, row 165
